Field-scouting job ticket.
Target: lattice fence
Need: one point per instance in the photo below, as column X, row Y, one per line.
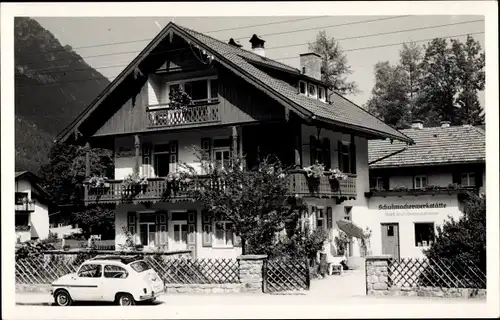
column 189, row 115
column 196, row 271
column 436, row 273
column 282, row 275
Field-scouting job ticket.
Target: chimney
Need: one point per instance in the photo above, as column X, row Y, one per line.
column 417, row 124
column 235, row 43
column 445, row 124
column 258, row 45
column 310, row 65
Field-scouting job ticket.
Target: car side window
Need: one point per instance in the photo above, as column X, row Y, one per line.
column 116, row 272
column 90, row 271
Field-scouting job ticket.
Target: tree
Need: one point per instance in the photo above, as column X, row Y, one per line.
column 410, row 57
column 334, row 68
column 463, row 239
column 471, row 75
column 63, row 178
column 390, row 100
column 439, row 85
column 256, row 202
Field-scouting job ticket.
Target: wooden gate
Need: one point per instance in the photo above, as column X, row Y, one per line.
column 285, row 275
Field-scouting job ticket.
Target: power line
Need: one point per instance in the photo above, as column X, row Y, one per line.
column 395, row 44
column 355, row 49
column 277, row 33
column 149, row 39
column 287, row 46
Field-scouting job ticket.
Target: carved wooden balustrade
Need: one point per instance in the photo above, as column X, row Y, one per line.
column 167, row 117
column 159, row 189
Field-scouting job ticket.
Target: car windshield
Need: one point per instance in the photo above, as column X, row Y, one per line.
column 140, row 266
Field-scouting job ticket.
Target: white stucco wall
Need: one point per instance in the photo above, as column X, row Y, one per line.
column 39, row 220
column 372, row 217
column 23, row 186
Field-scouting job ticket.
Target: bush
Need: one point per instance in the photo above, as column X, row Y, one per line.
column 33, row 248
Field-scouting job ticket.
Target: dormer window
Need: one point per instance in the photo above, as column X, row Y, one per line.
column 312, row 91
column 302, row 87
column 321, row 94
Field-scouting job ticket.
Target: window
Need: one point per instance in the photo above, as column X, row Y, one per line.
column 302, row 87
column 21, row 198
column 390, row 231
column 223, row 234
column 312, row 90
column 22, row 219
column 222, row 153
column 420, row 182
column 468, row 179
column 90, row 271
column 424, row 234
column 116, row 272
column 320, row 219
column 321, row 94
column 347, row 213
column 377, row 183
column 200, row 90
column 344, row 157
column 140, row 266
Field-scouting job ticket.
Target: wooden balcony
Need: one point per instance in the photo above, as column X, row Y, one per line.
column 300, row 185
column 208, row 112
column 158, row 190
column 25, row 205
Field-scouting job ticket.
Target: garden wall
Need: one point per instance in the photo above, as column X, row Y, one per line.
column 423, row 278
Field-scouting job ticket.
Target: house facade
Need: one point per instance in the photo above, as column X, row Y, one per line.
column 31, row 208
column 414, row 189
column 242, row 103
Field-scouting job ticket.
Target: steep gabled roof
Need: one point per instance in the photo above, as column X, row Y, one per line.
column 433, row 146
column 340, row 112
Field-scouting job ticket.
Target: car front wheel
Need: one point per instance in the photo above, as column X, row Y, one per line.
column 125, row 299
column 62, row 298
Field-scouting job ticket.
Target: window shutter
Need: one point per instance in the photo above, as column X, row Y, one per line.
column 174, row 155
column 146, row 159
column 327, row 155
column 131, row 223
column 206, row 146
column 191, row 238
column 207, row 228
column 352, row 155
column 312, row 149
column 339, row 153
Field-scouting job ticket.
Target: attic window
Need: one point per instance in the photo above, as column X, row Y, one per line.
column 312, row 91
column 302, row 87
column 321, row 94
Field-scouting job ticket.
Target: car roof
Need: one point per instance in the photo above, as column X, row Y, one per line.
column 115, row 258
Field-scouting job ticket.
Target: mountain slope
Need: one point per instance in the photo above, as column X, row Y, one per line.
column 53, row 84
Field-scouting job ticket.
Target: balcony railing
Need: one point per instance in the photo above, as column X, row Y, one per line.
column 158, row 190
column 326, row 188
column 166, row 117
column 25, row 205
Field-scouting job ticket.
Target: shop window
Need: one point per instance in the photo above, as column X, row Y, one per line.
column 424, row 234
column 420, row 182
column 468, row 179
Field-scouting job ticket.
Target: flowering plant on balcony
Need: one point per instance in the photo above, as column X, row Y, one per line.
column 179, row 99
column 314, row 173
column 337, row 174
column 97, row 182
column 135, row 179
column 23, row 228
column 132, row 185
column 174, row 182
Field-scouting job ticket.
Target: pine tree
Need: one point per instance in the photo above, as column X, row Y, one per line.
column 335, row 67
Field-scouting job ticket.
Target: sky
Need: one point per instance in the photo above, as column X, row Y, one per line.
column 284, row 40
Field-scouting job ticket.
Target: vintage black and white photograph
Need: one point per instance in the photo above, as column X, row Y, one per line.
column 166, row 160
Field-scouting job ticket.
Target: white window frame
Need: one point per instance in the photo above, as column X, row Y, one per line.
column 471, row 177
column 315, row 95
column 321, row 215
column 323, row 91
column 182, row 82
column 379, row 183
column 305, row 86
column 421, row 185
column 214, row 236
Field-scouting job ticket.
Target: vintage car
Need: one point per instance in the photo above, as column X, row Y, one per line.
column 124, row 280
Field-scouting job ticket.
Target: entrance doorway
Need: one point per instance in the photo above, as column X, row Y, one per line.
column 390, row 239
column 162, row 164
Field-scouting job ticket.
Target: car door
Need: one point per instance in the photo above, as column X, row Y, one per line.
column 115, row 279
column 87, row 285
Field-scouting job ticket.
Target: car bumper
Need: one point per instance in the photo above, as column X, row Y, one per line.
column 151, row 296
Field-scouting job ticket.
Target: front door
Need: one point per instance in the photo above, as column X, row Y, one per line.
column 162, row 164
column 179, row 235
column 390, row 239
